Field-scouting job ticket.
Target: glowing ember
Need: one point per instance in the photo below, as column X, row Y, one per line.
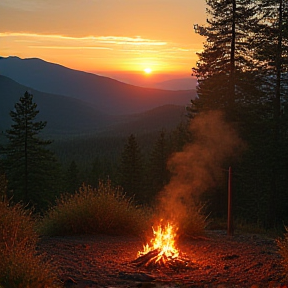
column 162, row 246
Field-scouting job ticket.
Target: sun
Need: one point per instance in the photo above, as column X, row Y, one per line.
column 147, row 70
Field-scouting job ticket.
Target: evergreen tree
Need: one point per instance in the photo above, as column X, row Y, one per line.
column 72, row 178
column 180, row 136
column 30, row 167
column 272, row 51
column 223, row 66
column 132, row 170
column 243, row 69
column 158, row 174
column 101, row 170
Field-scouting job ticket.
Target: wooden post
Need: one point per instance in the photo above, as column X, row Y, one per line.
column 230, row 229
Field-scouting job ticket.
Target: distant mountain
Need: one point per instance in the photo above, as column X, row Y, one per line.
column 163, row 117
column 177, row 84
column 69, row 116
column 105, row 94
column 63, row 114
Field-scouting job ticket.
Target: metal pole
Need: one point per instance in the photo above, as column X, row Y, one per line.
column 230, row 229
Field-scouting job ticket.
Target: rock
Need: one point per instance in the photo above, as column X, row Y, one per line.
column 137, row 277
column 230, row 257
column 69, row 282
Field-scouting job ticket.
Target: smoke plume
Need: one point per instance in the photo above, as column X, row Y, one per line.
column 197, row 167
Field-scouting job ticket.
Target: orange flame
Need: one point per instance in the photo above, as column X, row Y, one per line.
column 164, row 242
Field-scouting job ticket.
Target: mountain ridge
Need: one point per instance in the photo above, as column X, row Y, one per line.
column 62, row 113
column 69, row 116
column 105, row 94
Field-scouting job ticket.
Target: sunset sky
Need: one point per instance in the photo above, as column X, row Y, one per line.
column 105, row 36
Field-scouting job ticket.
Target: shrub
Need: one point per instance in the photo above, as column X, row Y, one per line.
column 20, row 266
column 194, row 222
column 103, row 210
column 189, row 219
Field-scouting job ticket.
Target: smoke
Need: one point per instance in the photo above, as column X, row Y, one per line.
column 198, row 166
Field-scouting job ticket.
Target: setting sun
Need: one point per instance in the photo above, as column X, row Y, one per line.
column 147, row 70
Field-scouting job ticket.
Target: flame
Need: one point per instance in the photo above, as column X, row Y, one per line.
column 163, row 242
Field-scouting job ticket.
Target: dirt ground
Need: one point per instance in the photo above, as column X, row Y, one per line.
column 217, row 260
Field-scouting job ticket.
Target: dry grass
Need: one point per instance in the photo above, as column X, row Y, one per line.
column 90, row 211
column 20, row 266
column 194, row 222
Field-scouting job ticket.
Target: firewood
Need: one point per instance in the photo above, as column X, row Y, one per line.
column 146, row 257
column 150, row 261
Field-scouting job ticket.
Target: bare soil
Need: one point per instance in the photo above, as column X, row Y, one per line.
column 217, row 260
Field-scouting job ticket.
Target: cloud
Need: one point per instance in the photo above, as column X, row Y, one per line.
column 117, row 40
column 129, row 50
column 71, row 47
column 25, row 5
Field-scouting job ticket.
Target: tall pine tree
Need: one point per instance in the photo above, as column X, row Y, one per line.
column 272, row 50
column 30, row 167
column 131, row 170
column 72, row 179
column 227, row 58
column 158, row 174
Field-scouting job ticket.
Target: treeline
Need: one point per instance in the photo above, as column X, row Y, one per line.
column 243, row 71
column 35, row 172
column 137, row 163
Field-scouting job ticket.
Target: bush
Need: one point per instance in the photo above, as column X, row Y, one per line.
column 194, row 222
column 20, row 266
column 283, row 249
column 103, row 210
column 190, row 220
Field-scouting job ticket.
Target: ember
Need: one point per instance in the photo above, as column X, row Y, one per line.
column 161, row 251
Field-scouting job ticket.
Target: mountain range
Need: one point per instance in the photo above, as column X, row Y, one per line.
column 73, row 101
column 105, row 94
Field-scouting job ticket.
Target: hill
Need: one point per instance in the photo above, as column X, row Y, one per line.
column 105, row 94
column 63, row 114
column 163, row 117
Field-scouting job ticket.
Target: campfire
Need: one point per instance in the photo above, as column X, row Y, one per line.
column 162, row 250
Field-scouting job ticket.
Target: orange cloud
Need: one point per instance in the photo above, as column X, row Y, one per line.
column 123, row 40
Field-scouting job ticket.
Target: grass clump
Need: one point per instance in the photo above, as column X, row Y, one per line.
column 20, row 265
column 194, row 222
column 102, row 210
column 189, row 220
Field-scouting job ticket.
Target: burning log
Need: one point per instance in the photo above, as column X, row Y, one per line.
column 147, row 259
column 161, row 253
column 152, row 260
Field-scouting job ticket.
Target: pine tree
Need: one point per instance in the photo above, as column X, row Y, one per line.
column 131, row 170
column 30, row 167
column 223, row 66
column 72, row 178
column 101, row 170
column 272, row 50
column 158, row 175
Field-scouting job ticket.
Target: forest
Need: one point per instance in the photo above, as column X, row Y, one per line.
column 242, row 72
